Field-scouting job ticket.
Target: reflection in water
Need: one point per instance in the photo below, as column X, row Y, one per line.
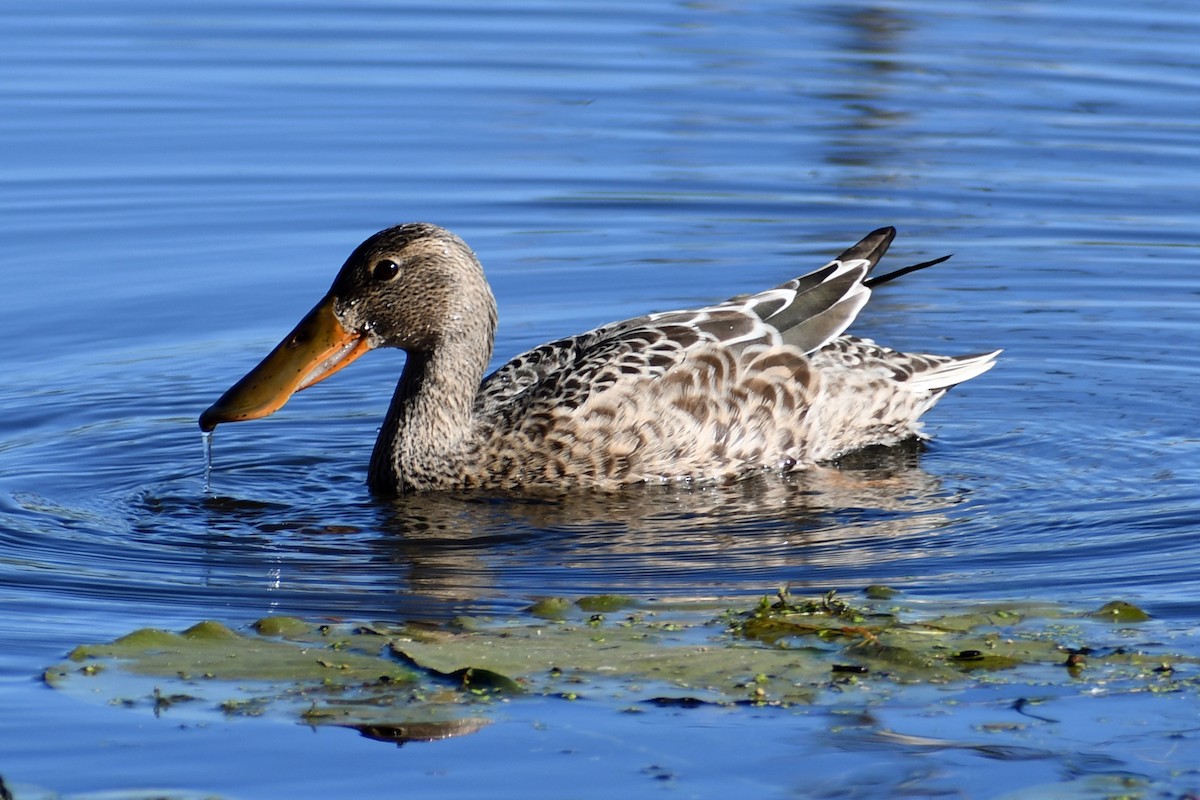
column 421, row 731
column 338, row 551
column 334, row 550
column 653, row 540
column 872, row 49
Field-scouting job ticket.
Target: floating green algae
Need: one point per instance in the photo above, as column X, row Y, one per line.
column 605, row 603
column 212, row 651
column 283, row 627
column 1119, row 611
column 317, row 674
column 403, row 682
column 551, row 608
column 877, row 591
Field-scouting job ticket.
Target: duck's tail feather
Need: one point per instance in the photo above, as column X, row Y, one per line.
column 877, row 280
column 816, row 315
column 817, row 329
column 871, row 248
column 828, row 300
column 954, row 371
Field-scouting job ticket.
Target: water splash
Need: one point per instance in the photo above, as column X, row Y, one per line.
column 206, row 438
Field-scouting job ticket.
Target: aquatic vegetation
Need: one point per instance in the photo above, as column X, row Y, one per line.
column 405, row 682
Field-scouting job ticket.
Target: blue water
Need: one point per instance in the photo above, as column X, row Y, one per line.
column 180, row 182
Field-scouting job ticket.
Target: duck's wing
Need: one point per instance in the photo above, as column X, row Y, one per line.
column 534, row 368
column 806, row 312
column 814, row 309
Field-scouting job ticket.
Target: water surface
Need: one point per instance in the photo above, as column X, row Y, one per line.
column 179, row 183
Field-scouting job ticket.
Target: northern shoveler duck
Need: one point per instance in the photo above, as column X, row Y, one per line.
column 760, row 382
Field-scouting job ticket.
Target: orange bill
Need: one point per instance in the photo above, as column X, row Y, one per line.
column 318, row 347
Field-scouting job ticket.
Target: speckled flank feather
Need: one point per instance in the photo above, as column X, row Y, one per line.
column 767, row 381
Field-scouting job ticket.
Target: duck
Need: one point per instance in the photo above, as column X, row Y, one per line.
column 762, row 382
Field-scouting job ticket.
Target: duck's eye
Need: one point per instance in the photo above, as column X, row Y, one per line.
column 385, row 270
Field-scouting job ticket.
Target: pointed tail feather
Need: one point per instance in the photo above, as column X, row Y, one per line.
column 818, row 329
column 871, row 283
column 955, row 371
column 871, row 248
column 816, row 315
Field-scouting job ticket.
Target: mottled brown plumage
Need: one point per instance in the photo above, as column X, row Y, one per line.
column 760, row 382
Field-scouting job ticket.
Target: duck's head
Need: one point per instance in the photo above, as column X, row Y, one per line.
column 413, row 286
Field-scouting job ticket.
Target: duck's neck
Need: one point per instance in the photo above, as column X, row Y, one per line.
column 426, row 433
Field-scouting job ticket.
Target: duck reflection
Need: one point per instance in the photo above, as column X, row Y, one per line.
column 685, row 541
column 442, row 554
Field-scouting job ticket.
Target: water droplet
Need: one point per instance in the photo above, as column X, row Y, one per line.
column 206, row 438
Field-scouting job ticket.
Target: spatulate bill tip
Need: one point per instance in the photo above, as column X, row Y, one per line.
column 209, row 420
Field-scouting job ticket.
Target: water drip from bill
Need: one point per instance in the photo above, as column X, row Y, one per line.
column 206, row 438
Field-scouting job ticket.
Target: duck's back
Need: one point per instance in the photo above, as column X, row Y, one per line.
column 762, row 381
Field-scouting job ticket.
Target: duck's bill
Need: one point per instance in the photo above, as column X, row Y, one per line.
column 318, row 347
